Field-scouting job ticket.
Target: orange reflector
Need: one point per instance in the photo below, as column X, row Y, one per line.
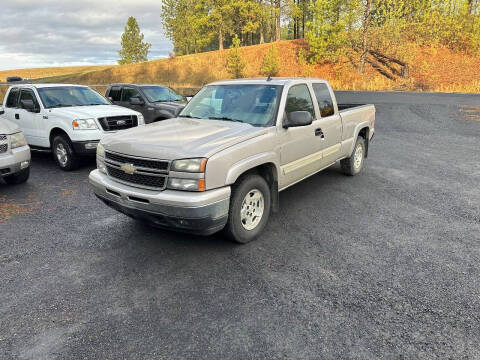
column 75, row 124
column 203, row 165
column 201, row 184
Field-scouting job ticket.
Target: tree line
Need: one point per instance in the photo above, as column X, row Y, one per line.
column 363, row 30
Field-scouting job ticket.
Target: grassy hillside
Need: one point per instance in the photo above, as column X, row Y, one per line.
column 430, row 69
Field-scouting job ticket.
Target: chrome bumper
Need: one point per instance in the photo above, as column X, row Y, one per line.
column 202, row 213
column 14, row 160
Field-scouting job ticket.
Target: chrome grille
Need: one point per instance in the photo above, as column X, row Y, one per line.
column 147, row 173
column 114, row 123
column 3, row 144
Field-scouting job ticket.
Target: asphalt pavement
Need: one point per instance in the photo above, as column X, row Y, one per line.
column 382, row 265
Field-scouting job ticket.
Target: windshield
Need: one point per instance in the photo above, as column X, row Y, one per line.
column 161, row 94
column 248, row 103
column 64, row 96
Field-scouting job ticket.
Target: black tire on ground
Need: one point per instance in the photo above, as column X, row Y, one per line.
column 350, row 166
column 18, row 178
column 63, row 153
column 238, row 229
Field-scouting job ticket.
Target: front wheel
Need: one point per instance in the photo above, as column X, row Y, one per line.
column 354, row 164
column 64, row 154
column 18, row 178
column 249, row 209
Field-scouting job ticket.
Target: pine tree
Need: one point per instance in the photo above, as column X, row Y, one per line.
column 271, row 62
column 235, row 63
column 133, row 50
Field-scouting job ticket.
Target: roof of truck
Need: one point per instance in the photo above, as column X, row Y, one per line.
column 263, row 80
column 39, row 86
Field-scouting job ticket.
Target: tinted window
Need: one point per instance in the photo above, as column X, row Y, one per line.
column 128, row 93
column 324, row 99
column 28, row 95
column 160, row 94
column 12, row 98
column 115, row 93
column 299, row 99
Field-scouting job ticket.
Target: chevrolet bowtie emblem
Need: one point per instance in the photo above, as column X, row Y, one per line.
column 128, row 169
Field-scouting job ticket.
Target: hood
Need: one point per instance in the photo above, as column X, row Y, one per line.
column 171, row 104
column 7, row 127
column 96, row 111
column 181, row 138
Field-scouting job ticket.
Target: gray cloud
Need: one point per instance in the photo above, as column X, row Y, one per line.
column 57, row 32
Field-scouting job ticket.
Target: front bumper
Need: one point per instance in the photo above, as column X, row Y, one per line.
column 85, row 147
column 14, row 160
column 202, row 213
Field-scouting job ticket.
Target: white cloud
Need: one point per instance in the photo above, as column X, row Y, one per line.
column 57, row 32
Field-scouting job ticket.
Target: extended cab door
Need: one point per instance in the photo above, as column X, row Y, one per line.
column 31, row 121
column 329, row 123
column 300, row 146
column 129, row 93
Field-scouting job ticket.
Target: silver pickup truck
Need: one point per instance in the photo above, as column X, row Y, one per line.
column 223, row 161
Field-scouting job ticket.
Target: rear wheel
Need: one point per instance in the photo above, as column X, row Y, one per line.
column 18, row 178
column 64, row 154
column 249, row 209
column 354, row 164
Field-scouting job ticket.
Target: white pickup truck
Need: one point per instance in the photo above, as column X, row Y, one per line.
column 68, row 119
column 222, row 163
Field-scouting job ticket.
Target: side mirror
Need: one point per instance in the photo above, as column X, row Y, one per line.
column 28, row 105
column 136, row 101
column 297, row 118
column 2, row 111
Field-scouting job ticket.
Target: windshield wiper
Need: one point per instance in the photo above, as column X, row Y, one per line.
column 62, row 105
column 190, row 117
column 224, row 118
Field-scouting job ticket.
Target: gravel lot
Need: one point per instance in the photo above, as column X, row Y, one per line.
column 382, row 265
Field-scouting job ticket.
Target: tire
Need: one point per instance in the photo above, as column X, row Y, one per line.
column 18, row 178
column 64, row 154
column 354, row 164
column 242, row 227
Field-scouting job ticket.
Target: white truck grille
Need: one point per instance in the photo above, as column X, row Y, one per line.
column 3, row 144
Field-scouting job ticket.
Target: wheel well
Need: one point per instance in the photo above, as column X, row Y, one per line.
column 269, row 172
column 55, row 132
column 364, row 133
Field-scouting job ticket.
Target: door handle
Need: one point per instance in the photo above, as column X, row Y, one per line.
column 17, row 116
column 319, row 132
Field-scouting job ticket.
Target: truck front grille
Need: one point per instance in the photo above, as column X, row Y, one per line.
column 3, row 144
column 140, row 162
column 114, row 123
column 139, row 172
column 149, row 181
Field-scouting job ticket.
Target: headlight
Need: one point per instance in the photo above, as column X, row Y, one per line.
column 17, row 140
column 189, row 165
column 84, row 124
column 101, row 165
column 141, row 119
column 186, row 184
column 100, row 150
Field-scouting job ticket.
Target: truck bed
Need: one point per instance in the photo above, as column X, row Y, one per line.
column 342, row 107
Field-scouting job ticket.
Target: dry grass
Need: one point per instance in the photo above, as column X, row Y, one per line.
column 39, row 73
column 431, row 69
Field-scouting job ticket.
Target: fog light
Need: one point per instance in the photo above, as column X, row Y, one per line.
column 90, row 146
column 24, row 164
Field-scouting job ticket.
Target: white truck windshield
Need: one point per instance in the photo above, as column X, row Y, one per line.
column 64, row 96
column 248, row 103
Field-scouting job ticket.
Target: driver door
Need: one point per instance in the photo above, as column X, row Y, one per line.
column 300, row 146
column 31, row 122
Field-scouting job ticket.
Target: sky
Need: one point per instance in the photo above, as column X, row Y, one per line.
column 41, row 33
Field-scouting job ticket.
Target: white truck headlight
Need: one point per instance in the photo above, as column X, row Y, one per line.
column 84, row 124
column 140, row 119
column 189, row 165
column 186, row 184
column 17, row 140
